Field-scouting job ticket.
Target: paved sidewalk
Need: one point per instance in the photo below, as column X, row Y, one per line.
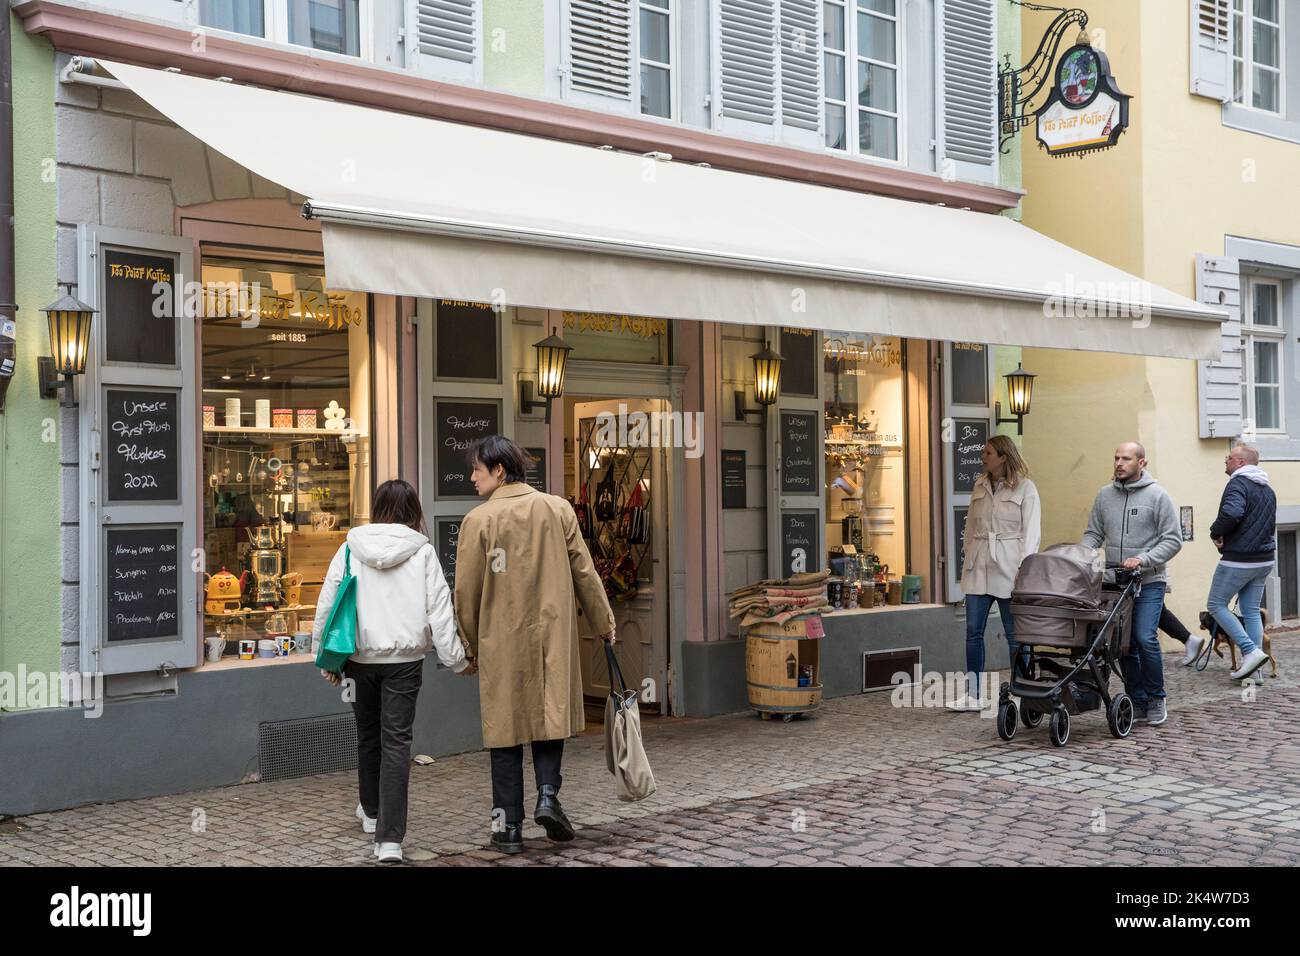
column 859, row 782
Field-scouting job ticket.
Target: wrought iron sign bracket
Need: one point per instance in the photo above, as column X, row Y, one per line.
column 1017, row 88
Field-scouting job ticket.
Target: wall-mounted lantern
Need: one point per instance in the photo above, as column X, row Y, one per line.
column 552, row 357
column 767, row 383
column 69, row 322
column 1020, row 394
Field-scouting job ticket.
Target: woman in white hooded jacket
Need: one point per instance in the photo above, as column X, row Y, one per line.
column 403, row 611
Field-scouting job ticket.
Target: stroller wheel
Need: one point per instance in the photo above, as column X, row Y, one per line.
column 1119, row 715
column 1006, row 720
column 1060, row 727
column 1030, row 718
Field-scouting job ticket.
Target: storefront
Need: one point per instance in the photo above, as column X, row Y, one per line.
column 396, row 322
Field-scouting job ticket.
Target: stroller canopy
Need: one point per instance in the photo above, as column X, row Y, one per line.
column 1063, row 576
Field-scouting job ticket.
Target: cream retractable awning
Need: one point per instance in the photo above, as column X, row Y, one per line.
column 422, row 207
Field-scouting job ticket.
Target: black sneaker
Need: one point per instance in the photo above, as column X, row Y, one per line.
column 509, row 839
column 550, row 815
column 1140, row 709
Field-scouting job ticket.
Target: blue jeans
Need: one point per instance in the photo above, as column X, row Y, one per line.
column 1249, row 584
column 977, row 616
column 1144, row 668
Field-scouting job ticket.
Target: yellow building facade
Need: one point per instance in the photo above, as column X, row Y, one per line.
column 1191, row 176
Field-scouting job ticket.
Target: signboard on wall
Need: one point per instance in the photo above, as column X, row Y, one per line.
column 1085, row 109
column 800, row 547
column 970, row 374
column 140, row 444
column 139, row 316
column 734, row 480
column 536, row 476
column 456, row 424
column 142, row 583
column 969, row 436
column 465, row 341
column 800, row 365
column 799, row 453
column 447, row 538
column 959, row 541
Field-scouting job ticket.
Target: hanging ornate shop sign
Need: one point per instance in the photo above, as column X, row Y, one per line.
column 1085, row 109
column 616, row 324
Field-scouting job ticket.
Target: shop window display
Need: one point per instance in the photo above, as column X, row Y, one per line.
column 865, row 461
column 285, row 443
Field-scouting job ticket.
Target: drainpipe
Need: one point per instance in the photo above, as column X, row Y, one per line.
column 8, row 308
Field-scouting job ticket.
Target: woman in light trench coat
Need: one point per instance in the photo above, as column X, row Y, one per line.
column 522, row 573
column 1002, row 526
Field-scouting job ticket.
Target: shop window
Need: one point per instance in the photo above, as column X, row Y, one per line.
column 865, row 456
column 285, row 413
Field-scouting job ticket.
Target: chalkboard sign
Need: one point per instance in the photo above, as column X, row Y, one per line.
column 970, row 374
column 140, row 445
column 448, row 537
column 734, row 491
column 465, row 342
column 139, row 314
column 959, row 529
column 536, row 476
column 800, row 361
column 800, row 549
column 455, row 426
column 142, row 582
column 968, row 446
column 799, row 453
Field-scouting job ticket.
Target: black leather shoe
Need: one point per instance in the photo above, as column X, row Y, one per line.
column 550, row 814
column 509, row 840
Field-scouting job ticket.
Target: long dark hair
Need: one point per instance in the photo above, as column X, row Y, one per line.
column 493, row 450
column 397, row 503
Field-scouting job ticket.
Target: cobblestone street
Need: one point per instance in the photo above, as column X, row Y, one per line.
column 861, row 782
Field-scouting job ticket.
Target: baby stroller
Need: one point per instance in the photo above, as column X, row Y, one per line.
column 1074, row 630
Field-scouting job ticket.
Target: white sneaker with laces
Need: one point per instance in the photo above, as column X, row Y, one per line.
column 368, row 824
column 1194, row 645
column 964, row 704
column 1249, row 664
column 388, row 852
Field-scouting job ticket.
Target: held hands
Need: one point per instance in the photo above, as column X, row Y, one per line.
column 472, row 667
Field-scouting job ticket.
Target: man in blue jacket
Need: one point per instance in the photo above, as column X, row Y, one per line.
column 1244, row 533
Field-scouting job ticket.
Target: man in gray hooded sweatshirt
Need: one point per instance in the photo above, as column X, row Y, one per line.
column 1136, row 520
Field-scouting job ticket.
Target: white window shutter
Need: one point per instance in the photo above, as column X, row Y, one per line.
column 600, row 56
column 444, row 38
column 746, row 58
column 1212, row 49
column 969, row 81
column 1218, row 283
column 801, row 75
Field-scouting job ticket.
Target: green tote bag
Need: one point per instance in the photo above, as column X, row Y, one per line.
column 339, row 639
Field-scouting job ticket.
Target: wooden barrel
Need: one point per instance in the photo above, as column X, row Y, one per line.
column 772, row 667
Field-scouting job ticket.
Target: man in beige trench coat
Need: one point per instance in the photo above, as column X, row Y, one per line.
column 522, row 574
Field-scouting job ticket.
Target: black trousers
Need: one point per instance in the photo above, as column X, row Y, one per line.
column 385, row 712
column 1173, row 627
column 508, row 775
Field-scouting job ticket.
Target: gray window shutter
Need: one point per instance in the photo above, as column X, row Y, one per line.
column 801, row 87
column 1212, row 49
column 969, row 78
column 1218, row 283
column 747, row 40
column 600, row 56
column 445, row 37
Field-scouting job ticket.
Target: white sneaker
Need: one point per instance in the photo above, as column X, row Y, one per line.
column 368, row 824
column 964, row 704
column 1249, row 664
column 1194, row 645
column 388, row 852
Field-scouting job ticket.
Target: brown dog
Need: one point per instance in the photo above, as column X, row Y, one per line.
column 1208, row 623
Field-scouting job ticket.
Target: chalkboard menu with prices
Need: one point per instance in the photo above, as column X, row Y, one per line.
column 140, row 445
column 733, row 479
column 968, row 446
column 142, row 583
column 465, row 341
column 536, row 476
column 800, row 365
column 139, row 308
column 799, row 453
column 959, row 537
column 970, row 374
column 448, row 537
column 799, row 542
column 455, row 426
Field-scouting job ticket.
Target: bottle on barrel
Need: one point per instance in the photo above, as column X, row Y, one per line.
column 791, row 666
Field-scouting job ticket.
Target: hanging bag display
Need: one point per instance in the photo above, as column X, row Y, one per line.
column 339, row 639
column 624, row 750
column 607, row 495
column 583, row 509
column 633, row 528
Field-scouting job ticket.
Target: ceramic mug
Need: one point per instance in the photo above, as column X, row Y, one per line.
column 267, row 648
column 284, row 644
column 324, row 520
column 216, row 647
column 302, row 641
column 247, row 649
